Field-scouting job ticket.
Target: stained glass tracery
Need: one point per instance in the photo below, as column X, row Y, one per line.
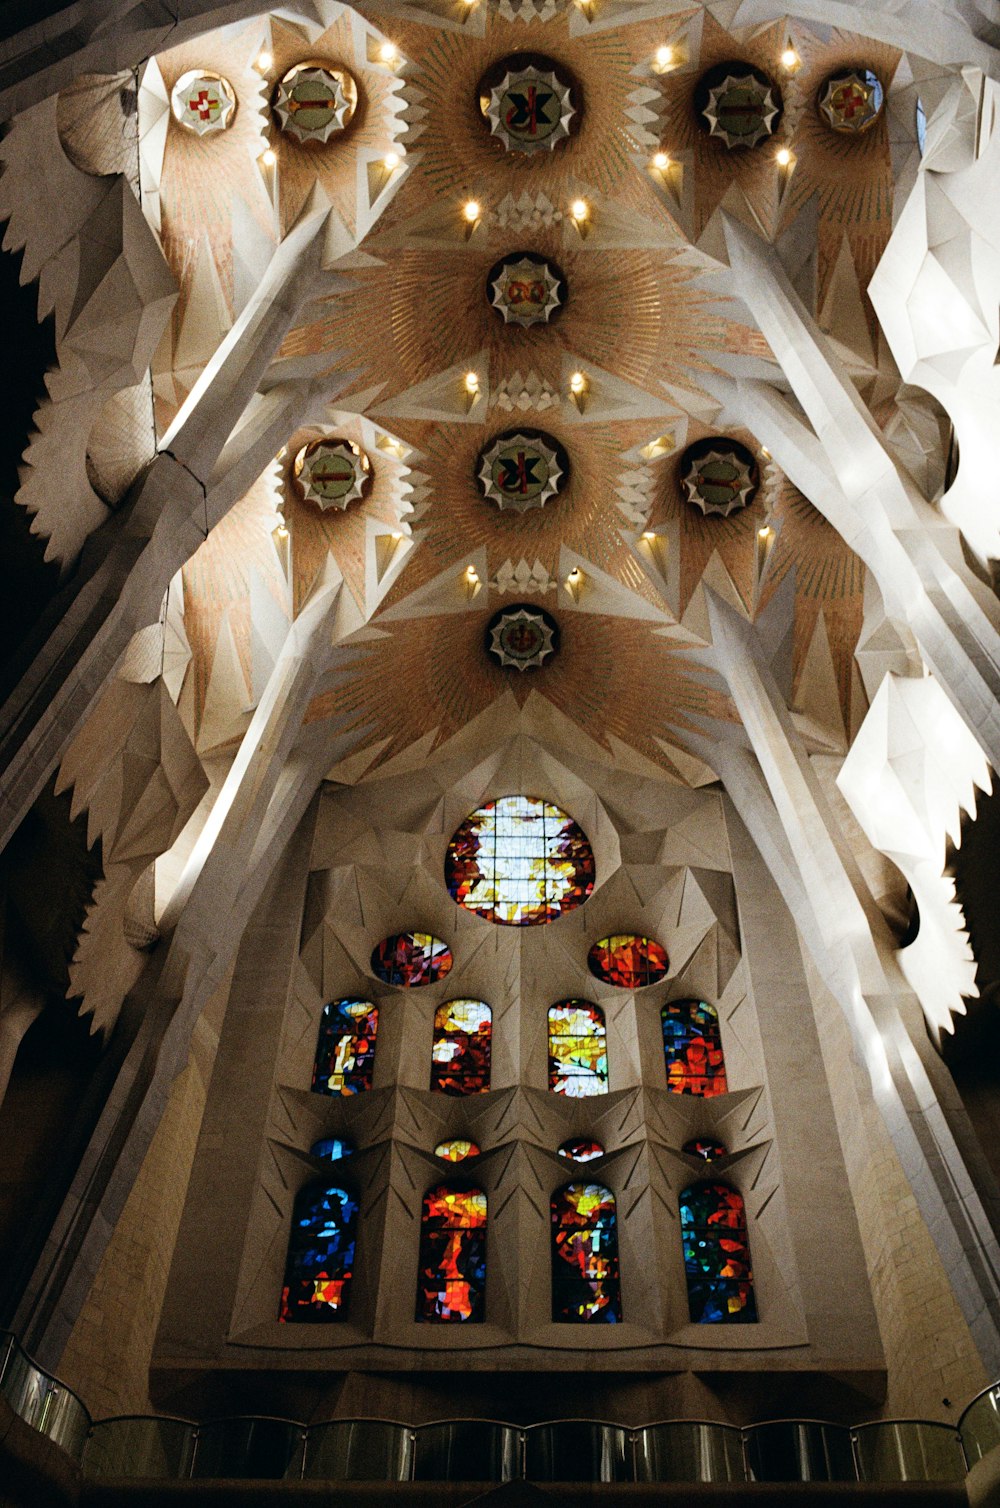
column 409, row 959
column 460, row 1057
column 451, row 1286
column 692, row 1046
column 717, row 1255
column 320, row 1262
column 628, row 961
column 519, row 862
column 345, row 1048
column 585, row 1280
column 578, row 1049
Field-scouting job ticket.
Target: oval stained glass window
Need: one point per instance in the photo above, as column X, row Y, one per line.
column 628, row 961
column 411, row 958
column 519, row 862
column 456, row 1151
column 331, row 1148
column 708, row 1151
column 579, row 1149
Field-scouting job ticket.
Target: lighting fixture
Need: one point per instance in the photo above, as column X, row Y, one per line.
column 391, row 161
column 471, row 211
column 661, row 162
column 789, row 58
column 388, row 52
column 783, row 157
column 472, row 382
column 664, row 56
column 264, row 61
column 269, row 157
column 577, row 382
column 579, row 209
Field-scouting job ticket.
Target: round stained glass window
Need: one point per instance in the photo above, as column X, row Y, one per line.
column 628, row 961
column 519, row 862
column 331, row 1149
column 708, row 1151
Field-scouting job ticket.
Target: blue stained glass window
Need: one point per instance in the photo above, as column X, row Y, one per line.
column 717, row 1255
column 320, row 1261
column 331, row 1148
column 585, row 1281
column 452, row 1281
column 345, row 1050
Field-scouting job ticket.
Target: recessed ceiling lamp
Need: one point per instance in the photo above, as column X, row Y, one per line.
column 471, row 210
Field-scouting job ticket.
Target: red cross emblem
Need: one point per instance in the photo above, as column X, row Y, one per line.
column 204, row 104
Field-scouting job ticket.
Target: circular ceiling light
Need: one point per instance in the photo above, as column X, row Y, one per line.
column 332, row 473
column 526, row 289
column 719, row 475
column 850, row 102
column 738, row 104
column 203, row 102
column 522, row 637
column 522, row 469
column 530, row 104
column 314, row 102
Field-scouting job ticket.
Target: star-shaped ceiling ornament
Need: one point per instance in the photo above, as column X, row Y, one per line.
column 528, row 103
column 719, row 476
column 522, row 637
column 851, row 102
column 522, row 469
column 203, row 102
column 526, row 289
column 314, row 102
column 332, row 473
column 738, row 105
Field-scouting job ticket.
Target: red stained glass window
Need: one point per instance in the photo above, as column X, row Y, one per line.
column 345, row 1049
column 629, row 961
column 452, row 1281
column 460, row 1058
column 692, row 1046
column 585, row 1283
column 717, row 1255
column 520, row 862
column 410, row 959
column 579, row 1149
column 708, row 1151
column 578, row 1049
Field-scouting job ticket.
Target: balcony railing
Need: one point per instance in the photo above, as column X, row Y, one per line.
column 490, row 1450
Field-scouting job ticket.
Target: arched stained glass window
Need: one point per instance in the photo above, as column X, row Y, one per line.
column 456, row 1151
column 578, row 1049
column 460, row 1058
column 452, row 1281
column 580, row 1149
column 628, row 961
column 331, row 1148
column 585, row 1284
column 410, row 959
column 717, row 1256
column 519, row 862
column 345, row 1049
column 692, row 1046
column 320, row 1261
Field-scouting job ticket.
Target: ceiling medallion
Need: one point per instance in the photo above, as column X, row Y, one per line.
column 738, row 104
column 332, row 473
column 851, row 102
column 529, row 102
column 203, row 102
column 522, row 469
column 314, row 102
column 521, row 637
column 718, row 475
column 526, row 289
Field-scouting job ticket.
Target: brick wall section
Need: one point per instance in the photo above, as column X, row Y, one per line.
column 930, row 1352
column 108, row 1356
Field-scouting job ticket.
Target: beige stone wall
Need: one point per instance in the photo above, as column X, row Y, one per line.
column 108, row 1355
column 930, row 1353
